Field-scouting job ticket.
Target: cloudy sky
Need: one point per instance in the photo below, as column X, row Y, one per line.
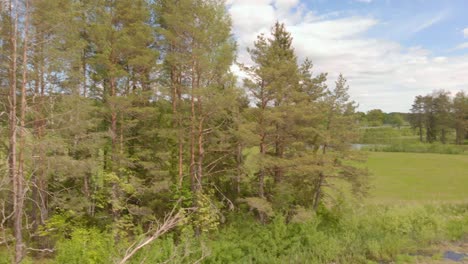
column 389, row 50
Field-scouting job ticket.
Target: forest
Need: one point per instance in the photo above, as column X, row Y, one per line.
column 126, row 137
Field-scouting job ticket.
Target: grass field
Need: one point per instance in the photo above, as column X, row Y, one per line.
column 415, row 177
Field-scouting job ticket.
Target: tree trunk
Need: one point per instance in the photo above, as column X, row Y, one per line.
column 83, row 76
column 420, row 133
column 239, row 161
column 201, row 150
column 279, row 153
column 261, row 174
column 114, row 136
column 263, row 134
column 193, row 171
column 12, row 162
column 177, row 123
column 318, row 191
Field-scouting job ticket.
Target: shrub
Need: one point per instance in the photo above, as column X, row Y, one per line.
column 86, row 246
column 345, row 233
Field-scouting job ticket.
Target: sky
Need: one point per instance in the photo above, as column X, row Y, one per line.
column 388, row 50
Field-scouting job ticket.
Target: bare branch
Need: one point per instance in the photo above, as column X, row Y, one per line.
column 49, row 250
column 171, row 220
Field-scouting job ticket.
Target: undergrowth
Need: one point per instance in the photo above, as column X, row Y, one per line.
column 342, row 234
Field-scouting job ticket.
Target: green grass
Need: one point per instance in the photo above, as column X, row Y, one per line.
column 418, row 177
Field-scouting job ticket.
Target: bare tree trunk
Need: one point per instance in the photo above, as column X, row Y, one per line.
column 114, row 136
column 239, row 161
column 321, row 179
column 180, row 136
column 18, row 176
column 201, row 153
column 420, row 133
column 42, row 180
column 176, row 98
column 193, row 169
column 39, row 208
column 320, row 182
column 12, row 162
column 22, row 141
column 261, row 174
column 279, row 152
column 318, row 191
column 35, row 211
column 201, row 150
column 83, row 77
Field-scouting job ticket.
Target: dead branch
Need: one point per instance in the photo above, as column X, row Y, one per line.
column 171, row 220
column 48, row 250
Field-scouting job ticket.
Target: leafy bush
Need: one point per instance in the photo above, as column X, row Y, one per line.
column 379, row 135
column 86, row 246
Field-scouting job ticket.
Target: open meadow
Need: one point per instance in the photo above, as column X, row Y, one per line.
column 418, row 177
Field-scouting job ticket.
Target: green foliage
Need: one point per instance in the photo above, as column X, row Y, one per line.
column 342, row 234
column 375, row 117
column 384, row 135
column 5, row 256
column 88, row 246
column 457, row 228
column 207, row 214
column 262, row 206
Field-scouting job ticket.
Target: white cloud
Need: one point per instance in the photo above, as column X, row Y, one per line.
column 462, row 46
column 285, row 4
column 381, row 73
column 465, row 32
column 364, row 1
column 431, row 21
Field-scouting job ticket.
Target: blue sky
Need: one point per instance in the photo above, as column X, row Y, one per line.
column 389, row 50
column 436, row 25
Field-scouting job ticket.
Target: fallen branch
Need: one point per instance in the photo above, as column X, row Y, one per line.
column 49, row 250
column 171, row 220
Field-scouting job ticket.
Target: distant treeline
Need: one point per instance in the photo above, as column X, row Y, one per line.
column 434, row 115
column 376, row 118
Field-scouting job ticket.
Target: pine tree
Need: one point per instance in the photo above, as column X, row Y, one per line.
column 334, row 149
column 198, row 53
column 273, row 82
column 460, row 111
column 417, row 116
column 122, row 61
column 442, row 108
column 16, row 181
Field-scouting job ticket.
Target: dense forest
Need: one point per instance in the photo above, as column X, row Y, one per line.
column 122, row 120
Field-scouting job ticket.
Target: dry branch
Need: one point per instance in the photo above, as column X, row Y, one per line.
column 171, row 220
